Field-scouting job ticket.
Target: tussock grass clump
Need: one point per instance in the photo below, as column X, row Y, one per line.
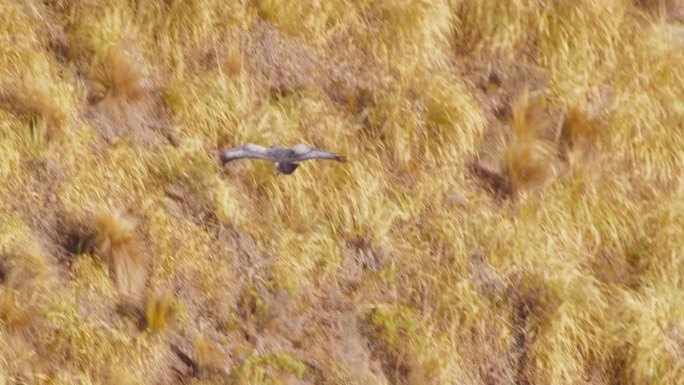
column 268, row 368
column 521, row 158
column 160, row 310
column 579, row 131
column 38, row 105
column 31, row 87
column 26, row 280
column 11, row 309
column 124, row 96
column 210, row 355
column 119, row 75
column 117, row 243
column 527, row 158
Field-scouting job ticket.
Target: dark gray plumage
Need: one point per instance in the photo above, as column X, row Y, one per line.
column 285, row 159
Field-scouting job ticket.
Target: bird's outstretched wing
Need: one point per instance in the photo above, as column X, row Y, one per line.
column 246, row 151
column 305, row 152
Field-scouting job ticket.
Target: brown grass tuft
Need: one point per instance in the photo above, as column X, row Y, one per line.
column 159, row 311
column 26, row 280
column 579, row 131
column 125, row 98
column 526, row 158
column 118, row 245
column 120, row 376
column 12, row 311
column 210, row 355
column 119, row 76
column 33, row 101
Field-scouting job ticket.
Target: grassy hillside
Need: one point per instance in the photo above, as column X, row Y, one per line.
column 512, row 211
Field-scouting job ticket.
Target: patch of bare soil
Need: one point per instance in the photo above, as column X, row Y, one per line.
column 141, row 120
column 287, row 65
column 124, row 97
column 672, row 10
column 185, row 202
column 497, row 82
column 361, row 259
column 529, row 303
column 51, row 226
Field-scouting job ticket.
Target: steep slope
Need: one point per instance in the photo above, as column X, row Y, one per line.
column 512, row 211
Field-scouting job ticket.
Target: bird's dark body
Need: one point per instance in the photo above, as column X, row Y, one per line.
column 287, row 167
column 285, row 159
column 288, row 159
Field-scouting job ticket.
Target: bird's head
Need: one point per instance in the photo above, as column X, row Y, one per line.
column 286, row 168
column 225, row 158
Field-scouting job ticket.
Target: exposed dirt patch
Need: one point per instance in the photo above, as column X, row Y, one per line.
column 76, row 240
column 397, row 366
column 499, row 361
column 676, row 335
column 124, row 97
column 247, row 259
column 672, row 10
column 63, row 235
column 497, row 82
column 360, row 258
column 529, row 304
column 133, row 312
column 283, row 63
column 486, row 281
column 58, row 233
column 322, row 330
column 190, row 368
column 490, row 178
column 185, row 202
column 613, row 269
column 286, row 65
column 143, row 120
column 3, row 269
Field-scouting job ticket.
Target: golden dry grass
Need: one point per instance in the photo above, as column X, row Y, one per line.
column 116, row 241
column 512, row 211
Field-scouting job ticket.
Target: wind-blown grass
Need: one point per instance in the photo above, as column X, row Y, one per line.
column 511, row 211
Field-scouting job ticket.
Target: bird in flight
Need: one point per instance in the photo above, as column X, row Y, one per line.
column 285, row 159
